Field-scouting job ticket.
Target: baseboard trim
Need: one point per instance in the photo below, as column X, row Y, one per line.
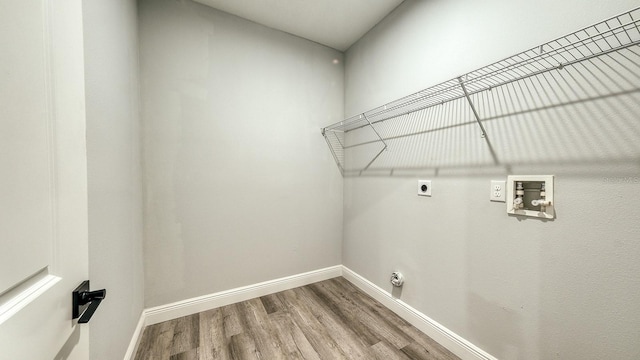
column 135, row 338
column 445, row 337
column 202, row 303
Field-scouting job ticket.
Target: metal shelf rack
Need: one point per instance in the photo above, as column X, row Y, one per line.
column 596, row 62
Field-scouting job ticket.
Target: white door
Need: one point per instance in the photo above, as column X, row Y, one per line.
column 43, row 186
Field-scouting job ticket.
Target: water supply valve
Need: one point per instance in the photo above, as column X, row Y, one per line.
column 530, row 195
column 397, row 279
column 517, row 203
column 540, row 202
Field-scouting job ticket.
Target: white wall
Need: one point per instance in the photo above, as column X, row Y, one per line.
column 240, row 187
column 519, row 289
column 114, row 172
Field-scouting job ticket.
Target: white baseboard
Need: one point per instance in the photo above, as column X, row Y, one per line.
column 202, row 303
column 450, row 340
column 135, row 338
column 445, row 337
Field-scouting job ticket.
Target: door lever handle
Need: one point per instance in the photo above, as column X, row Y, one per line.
column 89, row 296
column 86, row 302
column 87, row 314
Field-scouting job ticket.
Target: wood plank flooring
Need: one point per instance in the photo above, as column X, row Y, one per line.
column 327, row 320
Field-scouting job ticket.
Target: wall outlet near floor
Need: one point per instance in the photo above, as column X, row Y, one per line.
column 424, row 187
column 498, row 191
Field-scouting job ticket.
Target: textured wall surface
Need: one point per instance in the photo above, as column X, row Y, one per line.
column 114, row 172
column 517, row 288
column 240, row 187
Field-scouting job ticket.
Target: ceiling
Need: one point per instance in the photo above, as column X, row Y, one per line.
column 334, row 23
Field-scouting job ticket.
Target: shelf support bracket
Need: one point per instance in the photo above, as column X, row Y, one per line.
column 379, row 137
column 475, row 114
column 333, row 152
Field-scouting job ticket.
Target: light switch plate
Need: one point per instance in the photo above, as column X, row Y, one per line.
column 424, row 187
column 498, row 191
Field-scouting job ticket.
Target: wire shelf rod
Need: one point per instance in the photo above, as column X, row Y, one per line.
column 511, row 80
column 597, row 62
column 519, row 64
column 505, row 114
column 561, row 52
column 506, row 82
column 439, row 100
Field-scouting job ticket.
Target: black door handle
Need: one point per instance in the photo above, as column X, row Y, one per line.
column 86, row 302
column 87, row 314
column 89, row 296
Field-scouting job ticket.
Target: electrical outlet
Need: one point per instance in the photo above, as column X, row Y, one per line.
column 498, row 191
column 424, row 187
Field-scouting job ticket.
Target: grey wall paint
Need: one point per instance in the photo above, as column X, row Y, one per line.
column 562, row 289
column 240, row 187
column 114, row 172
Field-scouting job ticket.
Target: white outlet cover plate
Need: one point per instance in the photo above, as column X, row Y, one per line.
column 498, row 191
column 427, row 192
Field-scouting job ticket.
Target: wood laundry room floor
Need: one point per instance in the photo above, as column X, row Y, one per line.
column 327, row 320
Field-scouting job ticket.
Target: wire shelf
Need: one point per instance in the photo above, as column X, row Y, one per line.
column 592, row 63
